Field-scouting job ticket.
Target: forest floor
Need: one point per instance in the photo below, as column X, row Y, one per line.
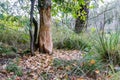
column 42, row 66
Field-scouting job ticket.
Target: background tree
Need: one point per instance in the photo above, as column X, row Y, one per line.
column 77, row 8
column 81, row 20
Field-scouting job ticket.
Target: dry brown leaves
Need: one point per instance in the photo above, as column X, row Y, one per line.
column 33, row 66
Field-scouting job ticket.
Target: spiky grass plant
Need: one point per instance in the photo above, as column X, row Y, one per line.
column 108, row 47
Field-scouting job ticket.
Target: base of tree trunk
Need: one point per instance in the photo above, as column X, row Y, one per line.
column 45, row 42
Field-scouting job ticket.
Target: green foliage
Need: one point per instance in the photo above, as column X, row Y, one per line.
column 7, row 50
column 101, row 49
column 107, row 47
column 12, row 67
column 69, row 6
column 12, row 22
column 78, row 67
column 115, row 76
column 11, row 36
column 89, row 64
column 4, row 49
column 46, row 76
column 61, row 63
column 64, row 38
column 13, row 30
column 73, row 43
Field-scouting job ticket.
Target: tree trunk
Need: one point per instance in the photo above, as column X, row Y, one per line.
column 45, row 39
column 80, row 23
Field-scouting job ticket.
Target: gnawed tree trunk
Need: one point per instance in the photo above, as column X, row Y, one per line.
column 45, row 39
column 81, row 23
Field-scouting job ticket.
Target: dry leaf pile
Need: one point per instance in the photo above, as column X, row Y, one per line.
column 42, row 64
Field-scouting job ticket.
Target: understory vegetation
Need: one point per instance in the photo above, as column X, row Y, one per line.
column 100, row 52
column 85, row 36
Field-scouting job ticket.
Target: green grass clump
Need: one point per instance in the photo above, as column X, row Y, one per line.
column 78, row 67
column 115, row 76
column 4, row 49
column 12, row 67
column 7, row 50
column 107, row 48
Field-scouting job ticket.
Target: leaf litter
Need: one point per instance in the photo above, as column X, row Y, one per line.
column 40, row 66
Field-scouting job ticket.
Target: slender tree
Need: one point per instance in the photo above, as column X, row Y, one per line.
column 30, row 29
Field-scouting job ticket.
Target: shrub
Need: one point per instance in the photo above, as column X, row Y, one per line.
column 14, row 30
column 64, row 38
column 11, row 36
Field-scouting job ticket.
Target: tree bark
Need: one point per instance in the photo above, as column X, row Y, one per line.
column 45, row 39
column 30, row 29
column 80, row 24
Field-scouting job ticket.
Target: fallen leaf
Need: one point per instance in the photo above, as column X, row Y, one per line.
column 80, row 79
column 97, row 71
column 92, row 61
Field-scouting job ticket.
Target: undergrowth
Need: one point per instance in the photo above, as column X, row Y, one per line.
column 98, row 48
column 64, row 38
column 13, row 67
column 107, row 47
